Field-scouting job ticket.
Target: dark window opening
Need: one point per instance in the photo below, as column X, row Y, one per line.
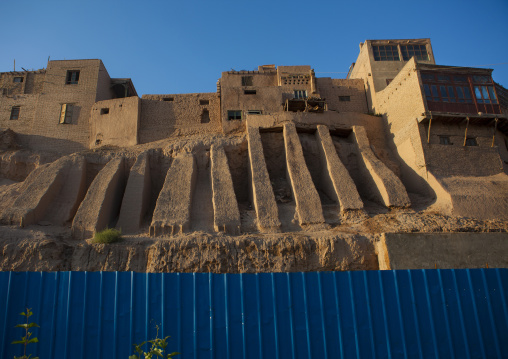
column 167, row 99
column 471, row 141
column 121, row 90
column 205, row 116
column 386, row 53
column 249, row 92
column 344, row 98
column 14, row 113
column 246, row 80
column 445, row 140
column 254, row 112
column 234, row 115
column 18, row 79
column 104, row 111
column 72, row 77
column 418, row 51
column 204, row 102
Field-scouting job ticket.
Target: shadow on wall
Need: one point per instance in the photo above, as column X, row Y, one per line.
column 157, row 120
column 52, row 144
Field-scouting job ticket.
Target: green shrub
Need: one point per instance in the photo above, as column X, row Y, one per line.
column 27, row 338
column 108, row 235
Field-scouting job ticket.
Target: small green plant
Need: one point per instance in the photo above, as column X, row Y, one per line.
column 158, row 348
column 27, row 339
column 108, row 235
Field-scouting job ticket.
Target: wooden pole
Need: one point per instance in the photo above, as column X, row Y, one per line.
column 494, row 134
column 465, row 135
column 428, row 134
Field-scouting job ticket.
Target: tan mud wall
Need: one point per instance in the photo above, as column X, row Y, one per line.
column 47, row 133
column 445, row 250
column 332, row 89
column 162, row 119
column 23, row 125
column 119, row 127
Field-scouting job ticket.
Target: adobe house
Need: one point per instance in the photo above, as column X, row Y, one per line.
column 272, row 150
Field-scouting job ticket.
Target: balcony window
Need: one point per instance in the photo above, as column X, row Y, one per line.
column 485, row 94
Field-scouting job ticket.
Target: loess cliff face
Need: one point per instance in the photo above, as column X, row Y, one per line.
column 261, row 201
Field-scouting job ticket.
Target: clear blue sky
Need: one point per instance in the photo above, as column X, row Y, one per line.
column 183, row 46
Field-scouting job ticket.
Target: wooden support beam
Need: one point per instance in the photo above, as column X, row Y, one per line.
column 465, row 134
column 494, row 134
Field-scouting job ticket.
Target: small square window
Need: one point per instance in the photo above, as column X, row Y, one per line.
column 249, row 92
column 168, row 99
column 104, row 111
column 204, row 102
column 18, row 79
column 66, row 113
column 246, row 80
column 14, row 113
column 234, row 115
column 344, row 98
column 471, row 141
column 72, row 77
column 445, row 140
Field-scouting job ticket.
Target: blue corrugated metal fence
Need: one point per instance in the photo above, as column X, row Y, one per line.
column 361, row 314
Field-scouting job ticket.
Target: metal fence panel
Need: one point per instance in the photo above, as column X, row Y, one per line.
column 364, row 314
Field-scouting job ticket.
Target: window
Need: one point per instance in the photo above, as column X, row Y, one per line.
column 418, row 51
column 168, row 99
column 72, row 77
column 471, row 141
column 234, row 115
column 14, row 113
column 205, row 116
column 66, row 113
column 104, row 111
column 246, row 80
column 204, row 102
column 254, row 112
column 300, row 94
column 485, row 94
column 18, row 79
column 386, row 53
column 249, row 92
column 445, row 140
column 344, row 98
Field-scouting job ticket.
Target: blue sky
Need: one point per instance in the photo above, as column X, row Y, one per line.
column 183, row 46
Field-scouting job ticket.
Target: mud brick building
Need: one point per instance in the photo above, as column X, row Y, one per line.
column 273, row 150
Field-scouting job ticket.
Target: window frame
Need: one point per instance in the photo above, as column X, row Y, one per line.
column 21, row 78
column 445, row 140
column 408, row 51
column 297, row 93
column 15, row 111
column 72, row 77
column 247, row 80
column 233, row 115
column 66, row 113
column 386, row 52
